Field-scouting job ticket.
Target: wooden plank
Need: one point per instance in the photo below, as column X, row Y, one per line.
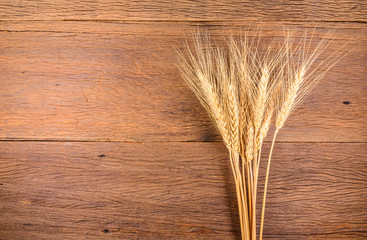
column 341, row 10
column 175, row 191
column 119, row 82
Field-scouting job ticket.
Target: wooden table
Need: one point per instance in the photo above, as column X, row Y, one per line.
column 101, row 138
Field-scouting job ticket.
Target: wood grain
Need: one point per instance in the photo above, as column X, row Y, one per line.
column 175, row 191
column 109, row 81
column 100, row 138
column 341, row 10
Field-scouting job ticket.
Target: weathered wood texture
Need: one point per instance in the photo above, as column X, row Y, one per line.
column 75, row 71
column 119, row 82
column 329, row 10
column 175, row 191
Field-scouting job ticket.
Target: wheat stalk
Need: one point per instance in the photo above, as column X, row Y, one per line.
column 241, row 88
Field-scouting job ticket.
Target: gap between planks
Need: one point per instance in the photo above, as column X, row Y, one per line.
column 183, row 20
column 137, row 142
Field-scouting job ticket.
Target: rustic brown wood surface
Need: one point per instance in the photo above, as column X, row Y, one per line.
column 120, row 82
column 175, row 191
column 329, row 10
column 100, row 138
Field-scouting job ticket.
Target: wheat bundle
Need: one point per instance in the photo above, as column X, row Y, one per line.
column 244, row 90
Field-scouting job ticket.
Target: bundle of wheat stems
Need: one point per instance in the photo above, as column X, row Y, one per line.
column 244, row 90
